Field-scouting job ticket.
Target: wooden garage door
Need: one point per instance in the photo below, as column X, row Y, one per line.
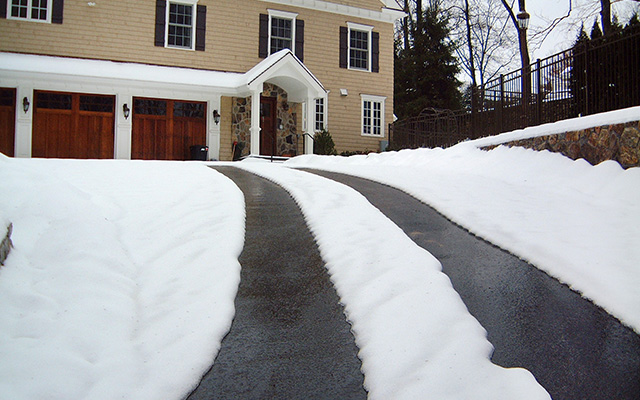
column 166, row 129
column 73, row 125
column 7, row 121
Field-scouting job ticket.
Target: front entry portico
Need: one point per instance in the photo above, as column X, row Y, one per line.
column 285, row 71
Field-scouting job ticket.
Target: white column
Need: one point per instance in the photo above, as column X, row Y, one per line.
column 255, row 121
column 24, row 123
column 123, row 127
column 311, row 117
column 213, row 138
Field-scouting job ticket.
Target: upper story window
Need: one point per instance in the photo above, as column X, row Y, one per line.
column 35, row 10
column 181, row 24
column 359, row 47
column 281, row 30
column 359, row 51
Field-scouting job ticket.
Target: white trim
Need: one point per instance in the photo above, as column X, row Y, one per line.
column 28, row 18
column 372, row 99
column 283, row 15
column 190, row 3
column 384, row 15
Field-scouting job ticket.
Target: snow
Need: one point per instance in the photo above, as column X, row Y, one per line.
column 122, row 277
column 414, row 333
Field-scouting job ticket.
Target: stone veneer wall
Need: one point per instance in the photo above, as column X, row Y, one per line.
column 620, row 142
column 286, row 138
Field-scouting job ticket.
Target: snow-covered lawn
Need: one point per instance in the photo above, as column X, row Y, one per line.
column 122, row 278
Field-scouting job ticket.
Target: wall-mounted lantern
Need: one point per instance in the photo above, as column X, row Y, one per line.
column 216, row 117
column 25, row 104
column 125, row 110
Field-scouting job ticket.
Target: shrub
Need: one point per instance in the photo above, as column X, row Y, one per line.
column 323, row 144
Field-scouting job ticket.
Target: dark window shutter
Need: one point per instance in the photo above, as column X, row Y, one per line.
column 3, row 8
column 375, row 52
column 161, row 12
column 201, row 27
column 300, row 39
column 344, row 36
column 263, row 38
column 56, row 11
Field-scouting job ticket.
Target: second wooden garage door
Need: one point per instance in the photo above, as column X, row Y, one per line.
column 166, row 129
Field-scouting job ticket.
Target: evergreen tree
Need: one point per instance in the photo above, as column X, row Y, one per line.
column 425, row 73
column 596, row 32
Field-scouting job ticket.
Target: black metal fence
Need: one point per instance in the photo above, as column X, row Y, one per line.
column 592, row 77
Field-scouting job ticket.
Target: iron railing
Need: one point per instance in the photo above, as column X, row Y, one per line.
column 592, row 77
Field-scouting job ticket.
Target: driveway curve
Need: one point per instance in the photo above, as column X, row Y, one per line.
column 573, row 348
column 289, row 338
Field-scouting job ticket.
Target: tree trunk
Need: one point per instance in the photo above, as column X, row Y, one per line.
column 472, row 68
column 605, row 12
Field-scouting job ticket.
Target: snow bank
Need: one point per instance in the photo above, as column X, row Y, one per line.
column 580, row 223
column 122, row 277
column 415, row 334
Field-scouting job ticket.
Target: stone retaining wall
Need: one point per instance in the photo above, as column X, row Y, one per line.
column 620, row 142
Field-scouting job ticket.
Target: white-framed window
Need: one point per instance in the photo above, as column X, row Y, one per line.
column 321, row 115
column 282, row 30
column 181, row 27
column 359, row 50
column 372, row 115
column 33, row 10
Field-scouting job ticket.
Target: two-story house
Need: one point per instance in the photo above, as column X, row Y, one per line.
column 150, row 79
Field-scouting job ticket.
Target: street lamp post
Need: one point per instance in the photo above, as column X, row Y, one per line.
column 523, row 18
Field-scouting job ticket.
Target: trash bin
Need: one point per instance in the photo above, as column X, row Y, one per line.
column 199, row 152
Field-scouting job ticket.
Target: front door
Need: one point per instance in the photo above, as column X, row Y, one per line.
column 268, row 126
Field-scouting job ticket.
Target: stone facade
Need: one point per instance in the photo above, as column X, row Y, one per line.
column 620, row 142
column 286, row 128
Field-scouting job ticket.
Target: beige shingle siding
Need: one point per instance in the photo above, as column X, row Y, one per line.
column 124, row 31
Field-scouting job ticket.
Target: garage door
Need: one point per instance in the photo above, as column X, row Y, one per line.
column 166, row 129
column 73, row 125
column 7, row 121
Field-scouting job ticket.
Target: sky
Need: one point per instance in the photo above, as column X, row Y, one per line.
column 544, row 11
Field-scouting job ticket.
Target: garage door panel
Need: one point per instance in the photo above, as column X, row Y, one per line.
column 7, row 121
column 95, row 137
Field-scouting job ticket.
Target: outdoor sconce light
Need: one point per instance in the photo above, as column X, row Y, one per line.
column 523, row 20
column 344, row 92
column 216, row 117
column 125, row 110
column 25, row 104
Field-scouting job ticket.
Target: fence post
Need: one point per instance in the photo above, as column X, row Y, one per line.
column 586, row 78
column 539, row 96
column 500, row 124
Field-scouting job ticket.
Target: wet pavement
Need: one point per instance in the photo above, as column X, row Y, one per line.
column 573, row 348
column 289, row 338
